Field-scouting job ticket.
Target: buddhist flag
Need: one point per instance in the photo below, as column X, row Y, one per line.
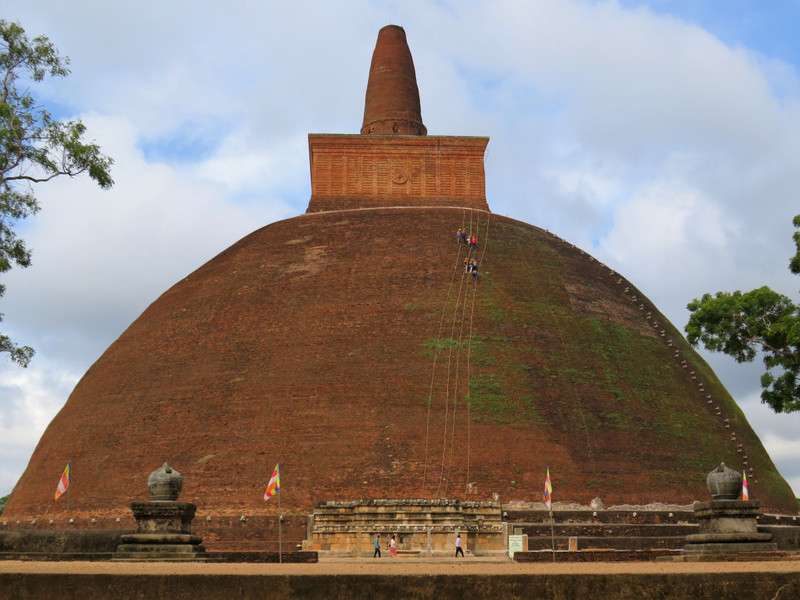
column 745, row 493
column 548, row 491
column 274, row 485
column 63, row 483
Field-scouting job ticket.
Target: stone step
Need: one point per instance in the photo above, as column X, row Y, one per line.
column 161, row 538
column 161, row 557
column 602, row 529
column 609, row 543
column 676, row 517
column 164, row 548
column 729, row 548
column 596, row 556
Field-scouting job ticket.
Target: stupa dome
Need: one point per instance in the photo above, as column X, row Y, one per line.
column 351, row 344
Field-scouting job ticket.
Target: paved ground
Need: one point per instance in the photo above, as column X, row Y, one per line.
column 398, row 566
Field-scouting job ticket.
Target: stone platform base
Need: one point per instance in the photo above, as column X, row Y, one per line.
column 163, row 534
column 160, row 557
column 180, row 539
column 160, row 547
column 728, row 527
column 729, row 543
column 729, row 548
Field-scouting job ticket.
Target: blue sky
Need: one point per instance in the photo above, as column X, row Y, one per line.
column 768, row 27
column 662, row 137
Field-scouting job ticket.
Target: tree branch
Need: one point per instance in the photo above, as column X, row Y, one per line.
column 765, row 345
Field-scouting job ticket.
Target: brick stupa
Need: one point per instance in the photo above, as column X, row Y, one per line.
column 349, row 343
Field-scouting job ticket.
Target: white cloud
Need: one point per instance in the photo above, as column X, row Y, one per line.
column 661, row 227
column 781, row 448
column 29, row 398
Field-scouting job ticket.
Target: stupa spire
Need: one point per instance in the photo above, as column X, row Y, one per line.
column 392, row 102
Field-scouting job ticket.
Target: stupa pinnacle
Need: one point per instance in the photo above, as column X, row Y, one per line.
column 394, row 162
column 392, row 102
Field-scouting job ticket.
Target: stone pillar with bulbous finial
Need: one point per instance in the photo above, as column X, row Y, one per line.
column 727, row 525
column 163, row 525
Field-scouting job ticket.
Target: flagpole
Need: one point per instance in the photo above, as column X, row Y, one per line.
column 69, row 488
column 274, row 489
column 548, row 501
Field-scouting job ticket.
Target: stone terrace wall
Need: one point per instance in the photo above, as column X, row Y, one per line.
column 420, row 526
column 254, row 533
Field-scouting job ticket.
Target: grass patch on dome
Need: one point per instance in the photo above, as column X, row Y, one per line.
column 435, row 346
column 489, row 401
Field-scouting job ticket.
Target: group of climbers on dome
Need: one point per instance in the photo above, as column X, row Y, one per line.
column 470, row 264
column 462, row 237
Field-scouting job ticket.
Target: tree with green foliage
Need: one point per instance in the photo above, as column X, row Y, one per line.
column 34, row 147
column 741, row 325
column 3, row 501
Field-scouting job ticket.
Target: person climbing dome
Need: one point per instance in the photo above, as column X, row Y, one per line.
column 464, row 236
column 459, row 236
column 467, row 265
column 474, row 269
column 474, row 242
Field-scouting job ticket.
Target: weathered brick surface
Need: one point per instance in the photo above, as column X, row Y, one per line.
column 312, row 341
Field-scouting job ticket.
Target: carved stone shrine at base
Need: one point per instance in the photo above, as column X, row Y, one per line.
column 420, row 526
column 727, row 527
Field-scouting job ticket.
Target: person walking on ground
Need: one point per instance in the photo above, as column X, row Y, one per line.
column 458, row 547
column 392, row 547
column 377, row 546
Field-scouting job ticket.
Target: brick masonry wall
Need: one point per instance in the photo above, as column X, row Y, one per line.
column 355, row 171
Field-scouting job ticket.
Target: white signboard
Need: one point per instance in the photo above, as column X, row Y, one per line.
column 516, row 543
